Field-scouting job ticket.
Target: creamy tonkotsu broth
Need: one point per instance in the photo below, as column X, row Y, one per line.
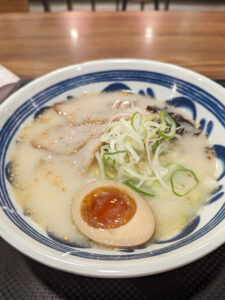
column 65, row 147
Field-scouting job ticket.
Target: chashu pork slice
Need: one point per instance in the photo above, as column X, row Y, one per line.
column 83, row 159
column 76, row 113
column 88, row 111
column 67, row 139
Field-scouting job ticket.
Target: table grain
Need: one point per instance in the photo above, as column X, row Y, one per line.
column 32, row 44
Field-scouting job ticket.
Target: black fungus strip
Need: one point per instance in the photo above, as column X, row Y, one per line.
column 41, row 111
column 179, row 119
column 153, row 109
column 26, row 212
column 9, row 171
column 210, row 151
column 183, row 125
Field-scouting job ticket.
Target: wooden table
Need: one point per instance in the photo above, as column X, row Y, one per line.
column 33, row 44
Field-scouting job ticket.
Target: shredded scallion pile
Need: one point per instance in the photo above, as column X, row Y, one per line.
column 132, row 153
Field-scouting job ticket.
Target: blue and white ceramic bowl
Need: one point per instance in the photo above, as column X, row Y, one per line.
column 204, row 100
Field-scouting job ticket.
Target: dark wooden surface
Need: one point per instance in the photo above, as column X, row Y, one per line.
column 33, row 44
column 14, row 6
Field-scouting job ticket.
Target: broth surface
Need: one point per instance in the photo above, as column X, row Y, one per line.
column 44, row 181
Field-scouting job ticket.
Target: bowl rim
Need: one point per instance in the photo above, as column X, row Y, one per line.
column 78, row 66
column 128, row 269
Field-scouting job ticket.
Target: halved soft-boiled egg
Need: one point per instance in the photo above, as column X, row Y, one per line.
column 111, row 213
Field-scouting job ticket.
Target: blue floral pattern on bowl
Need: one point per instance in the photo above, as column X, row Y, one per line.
column 189, row 97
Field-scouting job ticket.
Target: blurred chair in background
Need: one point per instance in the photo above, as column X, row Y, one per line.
column 167, row 3
column 117, row 4
column 14, row 6
column 142, row 3
column 46, row 4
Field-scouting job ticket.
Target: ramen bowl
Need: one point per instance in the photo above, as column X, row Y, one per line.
column 203, row 100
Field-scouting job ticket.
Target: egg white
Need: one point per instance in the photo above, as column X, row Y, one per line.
column 135, row 232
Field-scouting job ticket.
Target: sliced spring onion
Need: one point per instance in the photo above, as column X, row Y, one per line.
column 143, row 133
column 183, row 181
column 168, row 127
column 109, row 173
column 137, row 125
column 155, row 145
column 171, row 166
column 136, row 121
column 107, row 158
column 149, row 118
column 108, row 161
column 138, row 190
column 132, row 150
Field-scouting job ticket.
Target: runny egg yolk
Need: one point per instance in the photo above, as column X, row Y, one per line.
column 107, row 207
